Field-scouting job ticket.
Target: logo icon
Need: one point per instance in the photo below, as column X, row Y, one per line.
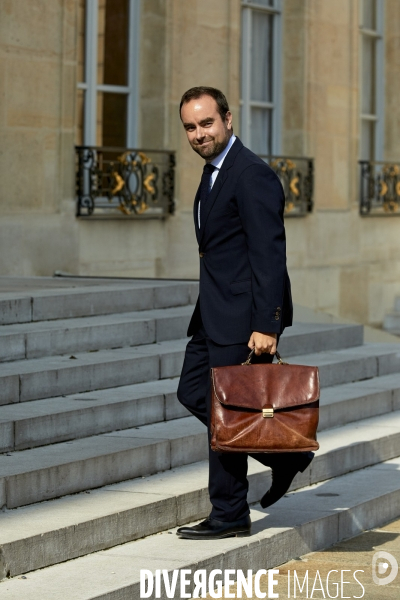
column 381, row 561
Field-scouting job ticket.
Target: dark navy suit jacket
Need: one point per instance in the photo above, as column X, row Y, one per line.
column 244, row 284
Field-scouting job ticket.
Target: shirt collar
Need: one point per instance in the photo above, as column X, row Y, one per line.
column 217, row 162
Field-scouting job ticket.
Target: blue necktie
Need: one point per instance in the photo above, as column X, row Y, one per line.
column 205, row 187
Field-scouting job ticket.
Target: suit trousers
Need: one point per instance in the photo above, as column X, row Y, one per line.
column 227, row 482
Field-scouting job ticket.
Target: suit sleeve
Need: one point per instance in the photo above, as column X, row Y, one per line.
column 261, row 201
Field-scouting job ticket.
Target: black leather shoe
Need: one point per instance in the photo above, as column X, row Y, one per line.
column 212, row 529
column 282, row 477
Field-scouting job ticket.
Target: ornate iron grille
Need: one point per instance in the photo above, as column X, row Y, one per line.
column 379, row 188
column 118, row 182
column 297, row 178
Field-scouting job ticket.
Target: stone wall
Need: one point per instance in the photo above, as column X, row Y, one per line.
column 338, row 261
column 37, row 71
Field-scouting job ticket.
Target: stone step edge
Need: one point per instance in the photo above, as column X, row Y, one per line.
column 169, row 509
column 71, row 323
column 22, row 344
column 104, row 299
column 21, row 377
column 167, row 347
column 173, row 432
column 40, row 378
column 77, row 323
column 167, row 389
column 37, row 340
column 157, row 404
column 264, row 549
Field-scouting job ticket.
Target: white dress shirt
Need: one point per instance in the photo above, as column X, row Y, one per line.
column 217, row 163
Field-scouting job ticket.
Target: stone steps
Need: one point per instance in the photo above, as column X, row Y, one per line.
column 52, row 471
column 307, row 520
column 350, row 402
column 97, row 452
column 48, row 421
column 90, row 334
column 42, row 378
column 40, row 422
column 26, row 424
column 50, row 376
column 353, row 364
column 75, row 525
column 121, row 297
column 43, row 421
column 307, row 338
column 38, row 378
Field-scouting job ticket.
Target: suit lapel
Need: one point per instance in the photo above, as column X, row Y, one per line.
column 218, row 184
column 196, row 213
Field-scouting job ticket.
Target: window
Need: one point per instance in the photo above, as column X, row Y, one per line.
column 108, row 49
column 261, row 73
column 372, row 80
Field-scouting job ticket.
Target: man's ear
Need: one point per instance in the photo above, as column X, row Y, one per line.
column 228, row 120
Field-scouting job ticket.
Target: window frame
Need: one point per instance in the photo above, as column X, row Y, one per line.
column 248, row 8
column 378, row 117
column 90, row 85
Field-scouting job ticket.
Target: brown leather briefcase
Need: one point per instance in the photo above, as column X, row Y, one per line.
column 264, row 407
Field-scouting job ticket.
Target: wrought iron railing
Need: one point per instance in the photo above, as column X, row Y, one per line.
column 297, row 177
column 122, row 182
column 379, row 188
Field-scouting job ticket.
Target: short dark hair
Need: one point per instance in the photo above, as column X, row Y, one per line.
column 197, row 92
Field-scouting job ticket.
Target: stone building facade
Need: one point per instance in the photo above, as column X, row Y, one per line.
column 304, row 78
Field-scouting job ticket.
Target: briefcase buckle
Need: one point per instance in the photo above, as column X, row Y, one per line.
column 267, row 412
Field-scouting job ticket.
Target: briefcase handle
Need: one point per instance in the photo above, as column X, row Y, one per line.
column 278, row 356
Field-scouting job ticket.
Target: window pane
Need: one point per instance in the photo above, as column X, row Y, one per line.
column 113, row 42
column 111, row 126
column 80, row 101
column 369, row 14
column 261, row 56
column 81, row 41
column 367, row 140
column 368, row 75
column 260, row 131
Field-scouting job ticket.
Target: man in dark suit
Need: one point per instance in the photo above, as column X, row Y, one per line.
column 244, row 300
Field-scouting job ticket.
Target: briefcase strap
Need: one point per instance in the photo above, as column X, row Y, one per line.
column 278, row 356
